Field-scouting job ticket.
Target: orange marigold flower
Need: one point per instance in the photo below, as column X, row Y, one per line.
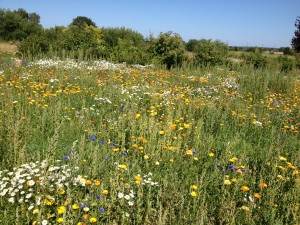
column 263, row 185
column 257, row 196
column 245, row 188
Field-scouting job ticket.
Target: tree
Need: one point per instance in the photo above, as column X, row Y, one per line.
column 168, row 48
column 82, row 21
column 296, row 38
column 18, row 24
column 211, row 52
column 191, row 45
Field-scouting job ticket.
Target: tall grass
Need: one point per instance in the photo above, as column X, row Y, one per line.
column 141, row 146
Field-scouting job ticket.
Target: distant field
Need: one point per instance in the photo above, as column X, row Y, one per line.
column 6, row 47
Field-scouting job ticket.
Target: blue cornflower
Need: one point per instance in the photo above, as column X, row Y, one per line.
column 101, row 210
column 230, row 167
column 124, row 153
column 93, row 138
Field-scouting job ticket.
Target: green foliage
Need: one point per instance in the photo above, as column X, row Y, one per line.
column 18, row 25
column 296, row 38
column 168, row 48
column 255, row 59
column 286, row 63
column 211, row 52
column 191, row 45
column 82, row 22
column 124, row 45
column 85, row 42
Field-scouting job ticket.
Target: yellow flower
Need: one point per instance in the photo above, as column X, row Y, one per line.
column 123, row 166
column 97, row 182
column 146, row 157
column 280, row 177
column 105, row 192
column 233, row 159
column 194, row 194
column 61, row 209
column 137, row 179
column 161, row 132
column 189, row 152
column 211, row 154
column 234, row 180
column 295, row 172
column 186, row 125
column 171, row 160
column 61, row 191
column 282, row 158
column 194, row 187
column 93, row 220
column 60, row 220
column 137, row 116
column 75, row 206
column 245, row 208
column 245, row 188
column 35, row 211
column 227, row 182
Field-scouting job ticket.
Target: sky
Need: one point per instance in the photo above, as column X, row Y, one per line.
column 261, row 23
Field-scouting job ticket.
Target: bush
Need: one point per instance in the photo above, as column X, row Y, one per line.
column 168, row 49
column 286, row 63
column 255, row 59
column 211, row 52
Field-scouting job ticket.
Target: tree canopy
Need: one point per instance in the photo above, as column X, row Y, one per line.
column 168, row 48
column 18, row 24
column 82, row 21
column 296, row 38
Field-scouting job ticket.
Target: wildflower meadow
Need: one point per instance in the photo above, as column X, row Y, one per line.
column 93, row 142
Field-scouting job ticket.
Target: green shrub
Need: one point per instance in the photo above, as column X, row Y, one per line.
column 211, row 52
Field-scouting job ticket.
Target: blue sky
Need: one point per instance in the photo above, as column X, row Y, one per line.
column 263, row 23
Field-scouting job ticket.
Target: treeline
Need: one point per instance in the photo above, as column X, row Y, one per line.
column 82, row 39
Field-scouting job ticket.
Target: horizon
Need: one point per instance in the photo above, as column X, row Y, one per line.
column 248, row 24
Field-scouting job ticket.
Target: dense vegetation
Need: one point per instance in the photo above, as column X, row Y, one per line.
column 99, row 143
column 83, row 40
column 214, row 139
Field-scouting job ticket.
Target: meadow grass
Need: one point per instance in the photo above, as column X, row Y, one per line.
column 83, row 145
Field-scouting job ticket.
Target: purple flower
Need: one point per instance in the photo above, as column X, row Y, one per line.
column 98, row 196
column 230, row 167
column 101, row 210
column 93, row 138
column 66, row 157
column 124, row 153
